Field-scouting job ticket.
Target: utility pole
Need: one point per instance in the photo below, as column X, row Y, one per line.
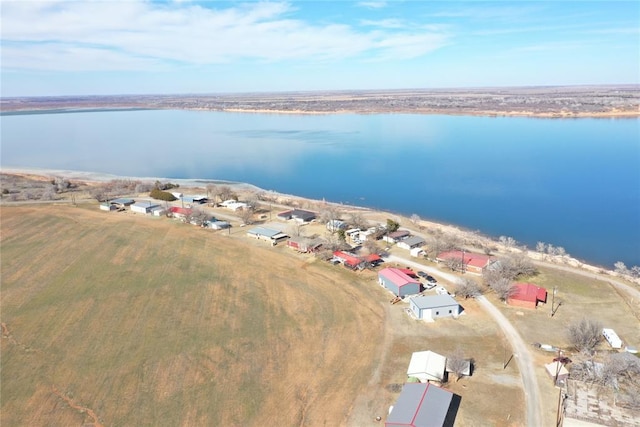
column 553, row 300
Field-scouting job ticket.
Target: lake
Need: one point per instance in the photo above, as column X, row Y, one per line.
column 573, row 183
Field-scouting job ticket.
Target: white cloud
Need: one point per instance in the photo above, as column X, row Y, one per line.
column 61, row 35
column 373, row 4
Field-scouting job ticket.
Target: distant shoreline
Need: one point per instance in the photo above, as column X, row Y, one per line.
column 609, row 101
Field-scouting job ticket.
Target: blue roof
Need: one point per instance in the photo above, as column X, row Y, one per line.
column 263, row 231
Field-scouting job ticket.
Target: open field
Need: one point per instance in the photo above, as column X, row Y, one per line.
column 147, row 321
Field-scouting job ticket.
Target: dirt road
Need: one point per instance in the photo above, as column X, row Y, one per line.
column 520, row 349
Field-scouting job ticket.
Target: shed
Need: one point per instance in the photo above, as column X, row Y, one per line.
column 431, row 307
column 398, row 282
column 411, row 242
column 424, row 405
column 427, row 366
column 527, row 295
column 158, row 211
column 143, row 207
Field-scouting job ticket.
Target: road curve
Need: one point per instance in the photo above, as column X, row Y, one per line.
column 521, row 352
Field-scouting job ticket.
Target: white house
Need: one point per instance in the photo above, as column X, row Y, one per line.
column 417, row 252
column 432, row 307
column 427, row 366
column 233, row 205
column 108, row 207
column 612, row 338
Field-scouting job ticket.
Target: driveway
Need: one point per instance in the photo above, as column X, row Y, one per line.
column 520, row 350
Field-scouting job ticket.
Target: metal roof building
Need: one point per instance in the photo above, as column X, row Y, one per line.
column 398, row 282
column 423, row 405
column 431, row 307
column 427, row 366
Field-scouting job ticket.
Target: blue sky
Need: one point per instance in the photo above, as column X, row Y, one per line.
column 134, row 47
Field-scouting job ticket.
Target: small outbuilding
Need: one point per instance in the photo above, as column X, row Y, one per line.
column 527, row 295
column 427, row 366
column 108, row 207
column 424, row 405
column 557, row 371
column 471, row 262
column 304, row 244
column 432, row 307
column 398, row 282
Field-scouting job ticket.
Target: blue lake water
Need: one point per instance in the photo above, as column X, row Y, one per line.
column 573, row 183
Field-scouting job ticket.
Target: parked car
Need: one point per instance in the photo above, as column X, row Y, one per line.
column 429, row 286
column 441, row 290
column 423, row 274
column 431, row 279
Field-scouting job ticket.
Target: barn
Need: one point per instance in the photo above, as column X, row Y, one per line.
column 304, row 244
column 268, row 234
column 432, row 307
column 180, row 213
column 424, row 405
column 398, row 282
column 143, row 207
column 527, row 295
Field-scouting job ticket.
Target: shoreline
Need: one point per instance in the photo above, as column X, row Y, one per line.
column 464, row 234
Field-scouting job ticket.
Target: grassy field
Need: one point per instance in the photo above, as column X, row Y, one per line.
column 151, row 322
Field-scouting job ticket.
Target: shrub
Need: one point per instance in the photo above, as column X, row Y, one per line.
column 162, row 195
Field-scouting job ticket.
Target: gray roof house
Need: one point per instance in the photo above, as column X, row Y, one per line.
column 268, row 234
column 144, row 207
column 424, row 405
column 411, row 242
column 431, row 307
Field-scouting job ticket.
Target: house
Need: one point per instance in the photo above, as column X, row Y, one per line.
column 424, row 405
column 612, row 338
column 432, row 307
column 527, row 295
column 108, row 207
column 335, row 225
column 349, row 260
column 143, row 207
column 234, row 205
column 427, row 366
column 267, row 234
column 396, row 236
column 121, row 202
column 411, row 242
column 304, row 244
column 471, row 262
column 180, row 213
column 398, row 282
column 158, row 211
column 298, row 215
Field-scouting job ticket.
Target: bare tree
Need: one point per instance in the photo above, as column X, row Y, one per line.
column 357, row 220
column 372, row 247
column 225, row 192
column 508, row 242
column 468, row 288
column 454, row 264
column 503, row 287
column 294, row 229
column 212, row 193
column 621, row 268
column 457, row 364
column 197, row 216
column 585, row 335
column 246, row 214
column 415, row 219
column 541, row 248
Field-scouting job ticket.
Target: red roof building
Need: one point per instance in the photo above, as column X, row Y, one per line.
column 349, row 260
column 473, row 263
column 527, row 295
column 178, row 212
column 398, row 282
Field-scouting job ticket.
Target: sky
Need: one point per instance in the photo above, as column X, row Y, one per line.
column 102, row 47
